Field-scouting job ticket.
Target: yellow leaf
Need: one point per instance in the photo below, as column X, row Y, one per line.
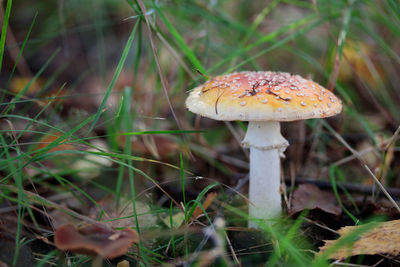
column 177, row 220
column 123, row 263
column 383, row 239
column 358, row 57
column 18, row 84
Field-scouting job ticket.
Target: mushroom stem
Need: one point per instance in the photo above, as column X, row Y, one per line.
column 266, row 145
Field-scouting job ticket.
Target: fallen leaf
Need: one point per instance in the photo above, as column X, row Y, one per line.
column 177, row 220
column 95, row 239
column 19, row 83
column 309, row 196
column 359, row 58
column 382, row 239
column 207, row 202
column 122, row 215
column 50, row 138
column 155, row 145
column 92, row 165
column 52, row 97
column 123, row 263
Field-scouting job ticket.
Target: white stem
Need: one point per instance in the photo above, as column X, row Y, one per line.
column 264, row 184
column 266, row 144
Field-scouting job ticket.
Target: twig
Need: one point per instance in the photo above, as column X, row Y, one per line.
column 392, row 139
column 337, row 262
column 41, row 200
column 321, row 225
column 377, row 182
column 351, row 187
column 175, row 55
column 14, row 50
column 292, row 182
column 351, row 157
column 238, row 139
column 228, row 241
column 379, row 262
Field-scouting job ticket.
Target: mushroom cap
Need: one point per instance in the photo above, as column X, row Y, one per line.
column 262, row 96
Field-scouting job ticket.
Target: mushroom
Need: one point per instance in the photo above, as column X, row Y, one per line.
column 263, row 99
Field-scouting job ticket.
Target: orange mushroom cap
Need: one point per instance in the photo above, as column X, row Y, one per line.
column 262, row 96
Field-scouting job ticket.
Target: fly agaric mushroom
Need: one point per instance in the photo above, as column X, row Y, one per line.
column 263, row 99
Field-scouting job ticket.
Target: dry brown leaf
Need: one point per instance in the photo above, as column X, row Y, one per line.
column 207, row 202
column 53, row 98
column 309, row 196
column 383, row 239
column 157, row 146
column 95, row 239
column 50, row 138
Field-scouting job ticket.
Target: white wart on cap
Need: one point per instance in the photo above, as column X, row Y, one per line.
column 262, row 96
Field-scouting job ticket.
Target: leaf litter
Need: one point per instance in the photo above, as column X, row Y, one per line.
column 382, row 239
column 95, row 239
column 309, row 196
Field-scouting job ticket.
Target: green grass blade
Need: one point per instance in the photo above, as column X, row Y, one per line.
column 185, row 49
column 332, row 172
column 40, row 152
column 18, row 180
column 395, row 7
column 30, row 123
column 386, row 47
column 22, row 48
column 4, row 30
column 259, row 19
column 182, row 174
column 116, row 75
column 345, row 29
column 37, row 75
column 294, row 26
column 198, row 199
column 163, row 132
column 277, row 44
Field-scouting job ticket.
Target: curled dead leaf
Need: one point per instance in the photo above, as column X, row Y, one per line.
column 95, row 239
